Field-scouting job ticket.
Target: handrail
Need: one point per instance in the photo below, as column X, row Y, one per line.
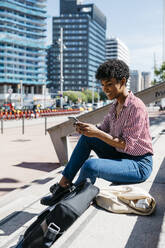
column 59, row 133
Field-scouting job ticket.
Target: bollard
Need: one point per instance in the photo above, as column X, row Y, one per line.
column 23, row 125
column 45, row 125
column 2, row 125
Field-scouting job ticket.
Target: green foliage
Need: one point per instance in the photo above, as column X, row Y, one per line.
column 81, row 96
column 75, row 96
column 72, row 96
column 154, row 82
column 159, row 74
column 88, row 94
column 103, row 96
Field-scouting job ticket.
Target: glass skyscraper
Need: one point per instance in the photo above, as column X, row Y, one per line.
column 22, row 47
column 116, row 49
column 84, row 36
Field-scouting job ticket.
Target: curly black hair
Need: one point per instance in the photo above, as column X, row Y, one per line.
column 112, row 68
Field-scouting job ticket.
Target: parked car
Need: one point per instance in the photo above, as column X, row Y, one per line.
column 162, row 104
column 5, row 108
column 97, row 105
column 28, row 107
column 66, row 106
column 89, row 106
column 78, row 106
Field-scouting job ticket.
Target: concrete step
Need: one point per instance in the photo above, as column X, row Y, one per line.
column 20, row 208
column 98, row 228
column 19, row 199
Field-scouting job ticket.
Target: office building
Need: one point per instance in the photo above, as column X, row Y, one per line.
column 116, row 49
column 84, row 28
column 146, row 80
column 135, row 80
column 22, row 50
column 139, row 80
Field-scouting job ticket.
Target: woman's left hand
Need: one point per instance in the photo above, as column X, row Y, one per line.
column 87, row 129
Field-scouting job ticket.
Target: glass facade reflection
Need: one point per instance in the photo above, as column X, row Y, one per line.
column 22, row 45
column 84, row 28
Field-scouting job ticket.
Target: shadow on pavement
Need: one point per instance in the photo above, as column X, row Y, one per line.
column 8, row 180
column 47, row 167
column 23, row 217
column 7, row 189
column 147, row 229
column 43, row 181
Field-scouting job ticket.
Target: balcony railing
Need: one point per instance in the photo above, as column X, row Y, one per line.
column 24, row 42
column 20, row 63
column 17, row 56
column 20, row 18
column 42, row 10
column 17, row 81
column 11, row 20
column 23, row 9
column 21, row 76
column 41, row 53
column 19, row 30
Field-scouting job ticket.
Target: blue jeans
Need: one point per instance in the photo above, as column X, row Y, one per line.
column 111, row 165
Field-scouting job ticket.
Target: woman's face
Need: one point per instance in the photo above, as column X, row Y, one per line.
column 113, row 88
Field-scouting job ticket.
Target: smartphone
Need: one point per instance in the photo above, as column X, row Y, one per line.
column 73, row 118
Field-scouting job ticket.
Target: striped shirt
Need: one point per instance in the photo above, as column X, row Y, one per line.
column 131, row 125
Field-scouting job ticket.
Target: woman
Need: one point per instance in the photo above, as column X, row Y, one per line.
column 122, row 141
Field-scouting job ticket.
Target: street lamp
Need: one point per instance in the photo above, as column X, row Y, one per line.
column 98, row 94
column 62, row 46
column 163, row 57
column 93, row 81
column 44, row 93
column 10, row 91
column 21, row 86
column 61, row 68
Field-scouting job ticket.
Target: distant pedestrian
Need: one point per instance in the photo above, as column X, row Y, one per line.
column 34, row 111
column 122, row 141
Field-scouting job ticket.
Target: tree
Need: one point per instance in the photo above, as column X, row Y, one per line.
column 103, row 96
column 159, row 74
column 88, row 94
column 81, row 96
column 72, row 96
column 75, row 96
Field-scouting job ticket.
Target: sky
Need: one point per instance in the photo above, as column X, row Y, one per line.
column 137, row 23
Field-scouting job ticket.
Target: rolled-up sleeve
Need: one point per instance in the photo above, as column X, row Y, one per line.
column 133, row 128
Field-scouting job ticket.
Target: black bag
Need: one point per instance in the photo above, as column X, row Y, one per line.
column 54, row 221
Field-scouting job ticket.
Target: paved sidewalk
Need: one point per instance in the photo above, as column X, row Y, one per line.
column 26, row 158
